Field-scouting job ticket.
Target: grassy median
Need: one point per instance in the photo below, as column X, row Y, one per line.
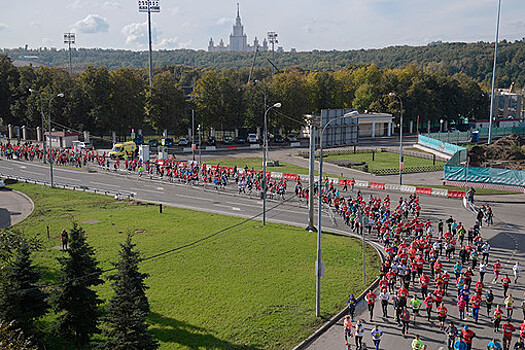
column 250, row 287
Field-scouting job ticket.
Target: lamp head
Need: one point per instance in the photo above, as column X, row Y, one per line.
column 277, row 105
column 31, row 90
column 60, row 95
column 392, row 94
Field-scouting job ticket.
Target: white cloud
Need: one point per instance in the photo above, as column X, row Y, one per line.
column 35, row 24
column 3, row 26
column 172, row 43
column 137, row 34
column 224, row 20
column 75, row 5
column 174, row 11
column 113, row 5
column 92, row 24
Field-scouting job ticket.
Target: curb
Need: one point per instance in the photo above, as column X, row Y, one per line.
column 29, row 200
column 333, row 320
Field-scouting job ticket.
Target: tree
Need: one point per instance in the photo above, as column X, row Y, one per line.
column 8, row 83
column 165, row 102
column 77, row 304
column 20, row 300
column 127, row 99
column 14, row 339
column 129, row 307
column 95, row 86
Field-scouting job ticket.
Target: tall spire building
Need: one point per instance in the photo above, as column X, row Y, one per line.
column 238, row 40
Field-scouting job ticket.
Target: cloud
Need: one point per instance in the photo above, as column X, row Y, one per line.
column 3, row 26
column 75, row 5
column 112, row 5
column 224, row 20
column 137, row 34
column 172, row 43
column 35, row 24
column 174, row 11
column 92, row 24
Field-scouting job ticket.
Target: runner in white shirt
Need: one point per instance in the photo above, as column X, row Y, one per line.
column 358, row 335
column 384, row 297
column 517, row 269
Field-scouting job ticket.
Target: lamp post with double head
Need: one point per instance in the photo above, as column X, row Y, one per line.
column 392, row 94
column 49, row 134
column 319, row 211
column 265, row 151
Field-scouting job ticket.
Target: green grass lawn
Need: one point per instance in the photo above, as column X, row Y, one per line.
column 383, row 160
column 256, row 163
column 251, row 287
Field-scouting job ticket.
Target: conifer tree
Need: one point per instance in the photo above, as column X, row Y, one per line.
column 20, row 302
column 76, row 303
column 129, row 307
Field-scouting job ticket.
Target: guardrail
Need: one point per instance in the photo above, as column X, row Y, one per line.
column 74, row 187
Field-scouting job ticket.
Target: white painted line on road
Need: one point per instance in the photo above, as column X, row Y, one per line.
column 160, row 188
column 23, row 167
column 68, row 178
column 236, row 209
column 104, row 184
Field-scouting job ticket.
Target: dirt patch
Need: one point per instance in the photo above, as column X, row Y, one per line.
column 91, row 222
column 140, row 230
column 506, row 153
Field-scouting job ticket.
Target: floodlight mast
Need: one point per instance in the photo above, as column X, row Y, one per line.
column 69, row 38
column 149, row 6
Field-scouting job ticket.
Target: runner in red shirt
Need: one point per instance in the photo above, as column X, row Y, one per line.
column 442, row 315
column 428, row 305
column 467, row 334
column 505, row 282
column 423, row 282
column 508, row 328
column 370, row 298
column 497, row 318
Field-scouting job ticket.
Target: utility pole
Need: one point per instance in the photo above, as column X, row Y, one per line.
column 494, row 76
column 149, row 6
column 69, row 38
column 311, row 185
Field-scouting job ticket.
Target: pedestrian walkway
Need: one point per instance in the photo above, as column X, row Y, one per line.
column 14, row 207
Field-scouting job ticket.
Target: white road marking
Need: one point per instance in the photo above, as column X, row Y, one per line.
column 104, row 184
column 23, row 167
column 160, row 188
column 68, row 178
column 236, row 209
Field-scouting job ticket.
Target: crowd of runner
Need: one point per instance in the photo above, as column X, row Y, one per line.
column 415, row 284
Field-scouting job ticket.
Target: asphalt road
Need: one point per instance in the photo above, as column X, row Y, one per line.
column 505, row 237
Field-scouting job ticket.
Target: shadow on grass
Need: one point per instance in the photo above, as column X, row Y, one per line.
column 170, row 330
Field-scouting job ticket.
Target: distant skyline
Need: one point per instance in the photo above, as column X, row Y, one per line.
column 305, row 25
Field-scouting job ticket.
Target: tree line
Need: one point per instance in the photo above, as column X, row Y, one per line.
column 472, row 59
column 77, row 311
column 99, row 99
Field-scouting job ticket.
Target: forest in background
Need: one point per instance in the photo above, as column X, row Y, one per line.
column 472, row 59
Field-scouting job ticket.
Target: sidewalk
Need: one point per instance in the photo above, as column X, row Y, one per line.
column 14, row 207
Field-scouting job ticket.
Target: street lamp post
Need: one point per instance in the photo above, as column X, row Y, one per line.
column 193, row 134
column 149, row 6
column 494, row 77
column 265, row 150
column 200, row 141
column 50, row 145
column 319, row 211
column 392, row 94
column 441, row 125
column 69, row 38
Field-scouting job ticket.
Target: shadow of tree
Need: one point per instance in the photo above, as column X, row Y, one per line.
column 170, row 330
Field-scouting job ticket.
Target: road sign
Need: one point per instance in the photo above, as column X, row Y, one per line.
column 154, row 5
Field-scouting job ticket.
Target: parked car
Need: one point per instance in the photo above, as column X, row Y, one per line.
column 252, row 138
column 278, row 139
column 2, row 184
column 227, row 140
column 82, row 145
column 168, row 142
column 183, row 141
column 240, row 140
column 211, row 141
column 153, row 143
column 291, row 138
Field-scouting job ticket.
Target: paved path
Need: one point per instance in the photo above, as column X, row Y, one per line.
column 14, row 207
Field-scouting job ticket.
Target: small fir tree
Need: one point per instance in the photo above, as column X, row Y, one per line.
column 129, row 307
column 21, row 301
column 76, row 303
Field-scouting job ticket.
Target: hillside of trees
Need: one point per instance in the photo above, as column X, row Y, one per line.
column 472, row 59
column 100, row 100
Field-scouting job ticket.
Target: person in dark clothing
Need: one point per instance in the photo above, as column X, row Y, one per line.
column 65, row 238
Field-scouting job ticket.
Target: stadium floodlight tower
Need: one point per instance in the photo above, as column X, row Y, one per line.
column 69, row 38
column 272, row 38
column 149, row 6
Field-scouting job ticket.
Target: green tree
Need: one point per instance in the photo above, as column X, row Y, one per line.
column 165, row 102
column 129, row 307
column 20, row 300
column 14, row 339
column 76, row 303
column 95, row 85
column 127, row 99
column 8, row 83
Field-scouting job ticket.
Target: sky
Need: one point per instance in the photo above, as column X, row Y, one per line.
column 301, row 24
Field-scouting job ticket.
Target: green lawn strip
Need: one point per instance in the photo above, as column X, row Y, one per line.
column 250, row 287
column 256, row 163
column 382, row 160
